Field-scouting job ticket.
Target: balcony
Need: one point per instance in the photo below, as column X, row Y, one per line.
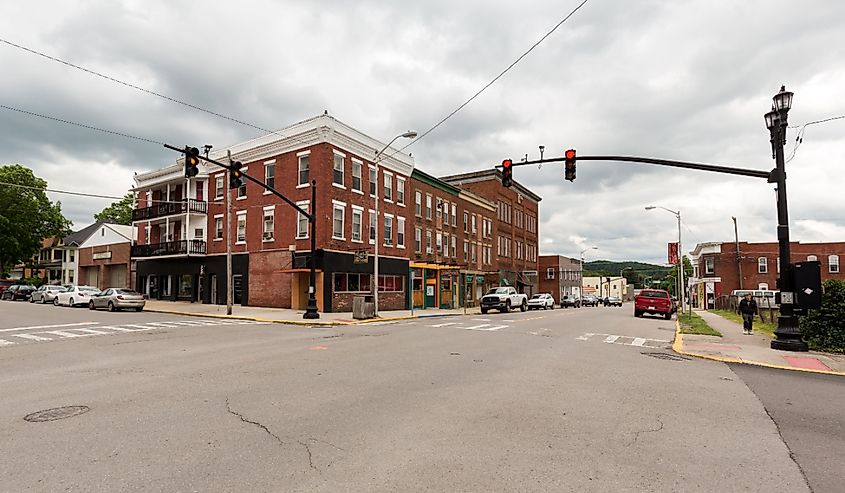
column 182, row 247
column 170, row 209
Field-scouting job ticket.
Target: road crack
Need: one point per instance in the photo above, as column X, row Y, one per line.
column 647, row 430
column 256, row 423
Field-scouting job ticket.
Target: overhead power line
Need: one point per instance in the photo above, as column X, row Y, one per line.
column 502, row 73
column 799, row 139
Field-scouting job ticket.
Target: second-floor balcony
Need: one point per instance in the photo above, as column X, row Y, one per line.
column 181, row 247
column 169, row 209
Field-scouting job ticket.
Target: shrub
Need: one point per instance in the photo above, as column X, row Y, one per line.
column 824, row 329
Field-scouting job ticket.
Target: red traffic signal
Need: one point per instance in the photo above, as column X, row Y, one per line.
column 507, row 173
column 569, row 172
column 192, row 161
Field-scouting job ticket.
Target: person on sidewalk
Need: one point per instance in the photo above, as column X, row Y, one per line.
column 748, row 308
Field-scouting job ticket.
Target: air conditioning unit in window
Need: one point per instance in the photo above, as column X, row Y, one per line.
column 268, row 235
column 428, row 251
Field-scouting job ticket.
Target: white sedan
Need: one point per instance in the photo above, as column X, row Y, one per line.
column 541, row 300
column 76, row 296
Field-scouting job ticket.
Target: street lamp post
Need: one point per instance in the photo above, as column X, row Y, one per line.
column 787, row 334
column 581, row 289
column 410, row 134
column 681, row 290
column 625, row 283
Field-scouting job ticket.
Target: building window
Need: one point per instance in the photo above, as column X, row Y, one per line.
column 400, row 232
column 400, row 191
column 199, row 234
column 242, row 190
column 337, row 176
column 241, row 238
column 550, row 273
column 302, row 168
column 351, row 283
column 218, row 228
column 218, row 187
column 708, row 265
column 428, row 206
column 270, row 174
column 466, row 250
column 302, row 221
column 439, row 243
column 812, row 258
column 428, row 241
column 466, row 222
column 373, row 181
column 338, row 213
column 357, row 220
column 762, row 265
column 418, row 203
column 832, row 263
column 356, row 175
column 391, row 284
column 474, row 225
column 388, row 187
column 418, row 240
column 454, row 246
column 269, row 224
column 372, row 223
column 73, row 255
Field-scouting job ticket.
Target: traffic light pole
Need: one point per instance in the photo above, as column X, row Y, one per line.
column 311, row 311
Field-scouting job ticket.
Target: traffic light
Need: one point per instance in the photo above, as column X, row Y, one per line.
column 569, row 173
column 192, row 161
column 507, row 173
column 236, row 176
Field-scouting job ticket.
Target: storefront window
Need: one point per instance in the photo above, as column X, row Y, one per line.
column 186, row 286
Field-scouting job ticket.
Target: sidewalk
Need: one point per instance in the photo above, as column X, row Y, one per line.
column 289, row 316
column 735, row 347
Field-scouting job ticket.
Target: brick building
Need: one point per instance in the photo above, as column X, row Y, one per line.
column 560, row 276
column 453, row 231
column 515, row 225
column 717, row 266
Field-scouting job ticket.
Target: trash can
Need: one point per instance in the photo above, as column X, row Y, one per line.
column 363, row 307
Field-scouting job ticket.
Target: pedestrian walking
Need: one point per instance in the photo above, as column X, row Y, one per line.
column 747, row 308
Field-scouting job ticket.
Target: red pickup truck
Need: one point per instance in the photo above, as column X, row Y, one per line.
column 655, row 302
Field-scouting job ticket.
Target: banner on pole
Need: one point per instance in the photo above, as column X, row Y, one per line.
column 673, row 253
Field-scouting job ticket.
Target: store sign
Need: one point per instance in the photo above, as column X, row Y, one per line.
column 360, row 257
column 101, row 256
column 479, row 279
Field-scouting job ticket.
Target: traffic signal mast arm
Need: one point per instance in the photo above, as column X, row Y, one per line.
column 254, row 180
column 663, row 162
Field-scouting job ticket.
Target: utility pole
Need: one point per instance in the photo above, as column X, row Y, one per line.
column 738, row 257
column 229, row 286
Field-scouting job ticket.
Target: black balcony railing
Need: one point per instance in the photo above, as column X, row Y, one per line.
column 182, row 247
column 169, row 209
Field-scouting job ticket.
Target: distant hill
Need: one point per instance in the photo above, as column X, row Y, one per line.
column 637, row 271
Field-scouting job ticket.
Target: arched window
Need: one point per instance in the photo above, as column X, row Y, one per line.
column 812, row 258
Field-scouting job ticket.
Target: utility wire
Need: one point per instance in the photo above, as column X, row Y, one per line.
column 799, row 139
column 502, row 73
column 96, row 195
column 147, row 91
column 89, row 127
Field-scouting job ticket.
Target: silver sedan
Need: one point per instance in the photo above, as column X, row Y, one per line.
column 46, row 294
column 117, row 299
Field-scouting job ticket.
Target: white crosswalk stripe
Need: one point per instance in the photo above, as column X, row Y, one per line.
column 72, row 331
column 625, row 340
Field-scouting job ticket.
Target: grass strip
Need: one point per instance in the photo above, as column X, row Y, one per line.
column 696, row 325
column 759, row 326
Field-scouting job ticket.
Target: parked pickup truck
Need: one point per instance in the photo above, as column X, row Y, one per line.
column 655, row 302
column 503, row 299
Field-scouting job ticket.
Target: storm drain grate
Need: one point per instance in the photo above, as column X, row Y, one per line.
column 666, row 356
column 56, row 413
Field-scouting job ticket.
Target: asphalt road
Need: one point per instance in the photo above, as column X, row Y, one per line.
column 563, row 400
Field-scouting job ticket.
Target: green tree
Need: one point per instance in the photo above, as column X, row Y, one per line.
column 672, row 276
column 825, row 328
column 27, row 216
column 119, row 212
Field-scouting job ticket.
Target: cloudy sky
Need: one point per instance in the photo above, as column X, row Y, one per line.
column 686, row 80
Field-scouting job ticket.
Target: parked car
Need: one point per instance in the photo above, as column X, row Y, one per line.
column 117, row 299
column 612, row 301
column 589, row 300
column 570, row 301
column 18, row 292
column 541, row 301
column 654, row 302
column 4, row 285
column 75, row 296
column 503, row 299
column 46, row 294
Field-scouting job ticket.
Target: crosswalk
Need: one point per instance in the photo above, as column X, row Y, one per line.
column 624, row 340
column 474, row 325
column 50, row 333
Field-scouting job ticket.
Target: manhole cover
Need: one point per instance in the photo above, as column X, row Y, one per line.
column 666, row 356
column 56, row 413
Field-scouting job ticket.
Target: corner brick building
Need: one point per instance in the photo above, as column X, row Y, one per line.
column 181, row 227
column 560, row 276
column 717, row 266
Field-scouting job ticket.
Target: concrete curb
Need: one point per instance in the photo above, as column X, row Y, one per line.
column 678, row 347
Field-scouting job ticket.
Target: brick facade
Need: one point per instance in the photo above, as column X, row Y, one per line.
column 559, row 276
column 111, row 268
